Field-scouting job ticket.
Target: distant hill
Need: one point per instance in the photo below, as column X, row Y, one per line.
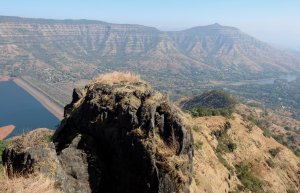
column 60, row 52
column 211, row 99
column 207, row 48
column 211, row 103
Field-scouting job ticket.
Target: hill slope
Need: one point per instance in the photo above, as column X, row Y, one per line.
column 56, row 51
column 201, row 48
column 211, row 99
column 239, row 159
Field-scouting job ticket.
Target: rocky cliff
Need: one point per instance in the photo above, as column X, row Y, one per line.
column 205, row 48
column 117, row 136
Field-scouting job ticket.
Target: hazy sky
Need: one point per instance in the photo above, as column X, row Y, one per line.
column 273, row 21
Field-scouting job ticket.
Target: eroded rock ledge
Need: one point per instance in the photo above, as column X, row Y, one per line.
column 122, row 137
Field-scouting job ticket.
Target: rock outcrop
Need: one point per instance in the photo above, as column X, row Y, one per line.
column 120, row 136
column 31, row 152
column 132, row 139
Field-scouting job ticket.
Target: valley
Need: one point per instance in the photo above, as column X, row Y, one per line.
column 58, row 55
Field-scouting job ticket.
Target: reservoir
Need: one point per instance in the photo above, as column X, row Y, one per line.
column 19, row 108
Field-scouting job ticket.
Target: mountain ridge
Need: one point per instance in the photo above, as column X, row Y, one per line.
column 69, row 51
column 215, row 32
column 213, row 45
column 4, row 18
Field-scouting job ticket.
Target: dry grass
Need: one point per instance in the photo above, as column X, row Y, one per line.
column 37, row 137
column 33, row 184
column 117, row 77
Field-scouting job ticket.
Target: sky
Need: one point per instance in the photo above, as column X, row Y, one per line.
column 273, row 21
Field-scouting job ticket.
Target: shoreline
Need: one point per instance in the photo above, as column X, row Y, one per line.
column 6, row 130
column 52, row 106
column 5, row 78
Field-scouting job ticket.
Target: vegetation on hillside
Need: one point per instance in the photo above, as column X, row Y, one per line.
column 212, row 103
column 247, row 178
column 265, row 126
column 201, row 112
column 3, row 144
column 216, row 99
column 280, row 94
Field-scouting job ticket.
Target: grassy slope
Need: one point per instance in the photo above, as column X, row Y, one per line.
column 249, row 165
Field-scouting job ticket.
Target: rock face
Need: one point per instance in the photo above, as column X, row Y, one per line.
column 31, row 152
column 130, row 138
column 122, row 137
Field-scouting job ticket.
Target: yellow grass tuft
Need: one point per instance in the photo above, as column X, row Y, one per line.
column 117, row 77
column 33, row 184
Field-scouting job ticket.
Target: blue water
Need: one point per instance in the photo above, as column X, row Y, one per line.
column 19, row 108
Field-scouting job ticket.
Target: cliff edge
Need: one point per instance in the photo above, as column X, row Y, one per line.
column 118, row 135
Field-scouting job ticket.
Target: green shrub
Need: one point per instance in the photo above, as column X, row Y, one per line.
column 267, row 133
column 250, row 127
column 297, row 153
column 49, row 137
column 227, row 125
column 198, row 144
column 196, row 128
column 225, row 145
column 291, row 139
column 270, row 163
column 274, row 151
column 231, row 146
column 3, row 145
column 264, row 125
column 204, row 111
column 280, row 139
column 250, row 181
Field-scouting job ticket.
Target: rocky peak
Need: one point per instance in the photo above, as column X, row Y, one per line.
column 121, row 135
column 139, row 140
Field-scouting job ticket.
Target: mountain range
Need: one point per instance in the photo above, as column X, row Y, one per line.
column 64, row 51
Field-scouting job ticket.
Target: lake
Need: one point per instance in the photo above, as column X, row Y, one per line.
column 19, row 108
